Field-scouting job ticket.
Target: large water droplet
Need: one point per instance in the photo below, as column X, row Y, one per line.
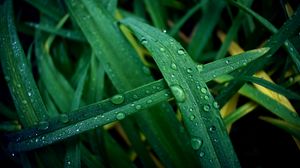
column 173, row 66
column 117, row 99
column 178, row 93
column 206, row 107
column 180, row 51
column 120, row 116
column 196, row 143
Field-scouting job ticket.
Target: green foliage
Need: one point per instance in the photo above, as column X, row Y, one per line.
column 98, row 84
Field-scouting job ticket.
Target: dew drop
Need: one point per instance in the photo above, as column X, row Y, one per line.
column 164, row 31
column 200, row 67
column 149, row 101
column 173, row 66
column 216, row 105
column 196, row 143
column 212, row 128
column 189, row 70
column 227, row 62
column 138, row 107
column 117, row 99
column 120, row 116
column 24, row 101
column 68, row 162
column 180, row 51
column 201, row 154
column 178, row 93
column 144, row 41
column 203, row 90
column 63, row 118
column 43, row 125
column 206, row 107
column 162, row 49
column 206, row 97
column 192, row 117
column 18, row 85
column 77, row 130
column 29, row 93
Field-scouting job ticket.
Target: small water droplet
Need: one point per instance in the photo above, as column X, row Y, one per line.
column 12, row 154
column 149, row 101
column 192, row 117
column 189, row 70
column 162, row 49
column 196, row 143
column 206, row 97
column 24, row 101
column 178, row 93
column 164, row 31
column 173, row 66
column 206, row 107
column 201, row 154
column 144, row 41
column 203, row 90
column 227, row 62
column 43, row 125
column 216, row 105
column 18, row 85
column 244, row 63
column 29, row 93
column 180, row 51
column 138, row 107
column 191, row 109
column 212, row 128
column 63, row 118
column 68, row 162
column 172, row 75
column 120, row 116
column 117, row 99
column 200, row 67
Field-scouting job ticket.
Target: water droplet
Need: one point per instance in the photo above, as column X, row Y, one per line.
column 162, row 49
column 206, row 107
column 206, row 97
column 244, row 63
column 201, row 154
column 138, row 107
column 227, row 62
column 68, row 162
column 189, row 70
column 192, row 117
column 172, row 75
column 43, row 125
column 216, row 105
column 18, row 85
column 191, row 109
column 120, row 116
column 212, row 128
column 29, row 93
column 164, row 31
column 77, row 130
column 147, row 91
column 144, row 41
column 63, row 118
column 173, row 66
column 203, row 90
column 196, row 143
column 12, row 154
column 178, row 93
column 200, row 67
column 180, row 51
column 149, row 101
column 117, row 99
column 24, row 101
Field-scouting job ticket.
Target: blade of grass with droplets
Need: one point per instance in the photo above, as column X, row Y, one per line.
column 49, row 8
column 276, row 88
column 199, row 110
column 157, row 13
column 288, row 45
column 175, row 29
column 89, row 117
column 286, row 126
column 274, row 43
column 205, row 27
column 161, row 128
column 26, row 96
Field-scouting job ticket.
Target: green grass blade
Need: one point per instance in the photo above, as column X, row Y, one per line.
column 157, row 13
column 199, row 110
column 175, row 29
column 276, row 88
column 286, row 126
column 205, row 28
column 111, row 49
column 26, row 96
column 274, row 43
column 270, row 104
column 48, row 8
column 239, row 113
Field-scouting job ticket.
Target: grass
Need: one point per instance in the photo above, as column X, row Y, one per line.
column 162, row 83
